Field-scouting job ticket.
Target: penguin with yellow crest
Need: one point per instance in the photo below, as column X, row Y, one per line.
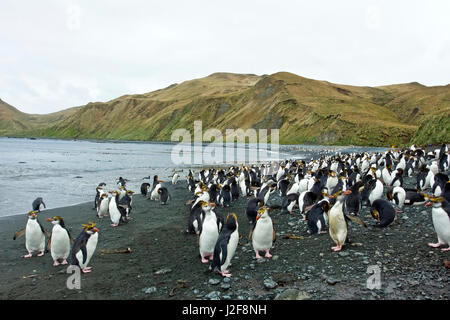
column 84, row 247
column 262, row 233
column 34, row 235
column 226, row 246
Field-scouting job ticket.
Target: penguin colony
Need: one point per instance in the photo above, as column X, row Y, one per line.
column 326, row 193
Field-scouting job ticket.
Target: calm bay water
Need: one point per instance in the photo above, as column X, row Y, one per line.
column 66, row 172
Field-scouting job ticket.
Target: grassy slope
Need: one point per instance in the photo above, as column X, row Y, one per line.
column 305, row 111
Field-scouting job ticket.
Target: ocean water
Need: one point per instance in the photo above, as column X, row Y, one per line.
column 66, row 172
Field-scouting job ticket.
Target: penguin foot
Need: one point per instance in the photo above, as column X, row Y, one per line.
column 434, row 245
column 40, row 254
column 446, row 249
column 64, row 261
column 210, row 257
column 56, row 263
column 28, row 255
column 336, row 248
column 225, row 273
column 86, row 270
column 258, row 256
column 114, row 224
column 204, row 260
column 268, row 255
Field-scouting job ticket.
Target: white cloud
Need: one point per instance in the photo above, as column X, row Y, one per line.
column 58, row 54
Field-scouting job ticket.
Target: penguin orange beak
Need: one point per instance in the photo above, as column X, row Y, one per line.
column 428, row 204
column 348, row 192
column 95, row 229
column 49, row 219
column 212, row 204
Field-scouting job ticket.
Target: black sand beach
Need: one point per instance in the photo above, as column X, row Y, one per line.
column 164, row 262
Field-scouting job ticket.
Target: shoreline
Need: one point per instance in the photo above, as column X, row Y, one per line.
column 174, row 143
column 164, row 263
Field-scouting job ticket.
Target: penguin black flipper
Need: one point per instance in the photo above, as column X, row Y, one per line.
column 355, row 219
column 19, row 233
column 80, row 244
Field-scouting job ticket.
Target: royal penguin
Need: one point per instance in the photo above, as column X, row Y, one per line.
column 397, row 196
column 253, row 204
column 337, row 226
column 84, row 247
column 98, row 193
column 34, row 235
column 209, row 232
column 440, row 215
column 414, row 197
column 438, row 187
column 114, row 212
column 397, row 180
column 375, row 191
column 352, row 203
column 421, row 179
column 262, row 233
column 194, row 219
column 59, row 241
column 226, row 246
column 317, row 217
column 37, row 203
column 125, row 205
column 103, row 207
column 387, row 175
column 145, row 189
column 164, row 195
column 175, row 177
column 154, row 195
column 383, row 211
column 289, row 202
column 224, row 198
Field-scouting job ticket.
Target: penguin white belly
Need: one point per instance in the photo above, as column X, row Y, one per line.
column 300, row 200
column 243, row 188
column 262, row 237
column 290, row 206
column 60, row 243
column 293, row 189
column 331, row 183
column 34, row 237
column 401, row 196
column 337, row 228
column 387, row 178
column 114, row 213
column 208, row 236
column 155, row 195
column 441, row 223
column 103, row 209
column 377, row 192
column 175, row 179
column 231, row 249
column 437, row 191
column 91, row 245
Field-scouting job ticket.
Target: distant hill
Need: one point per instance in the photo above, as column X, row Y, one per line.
column 305, row 110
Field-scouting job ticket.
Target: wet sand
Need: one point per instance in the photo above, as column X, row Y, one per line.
column 164, row 262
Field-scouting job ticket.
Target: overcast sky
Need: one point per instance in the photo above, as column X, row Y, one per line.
column 63, row 53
